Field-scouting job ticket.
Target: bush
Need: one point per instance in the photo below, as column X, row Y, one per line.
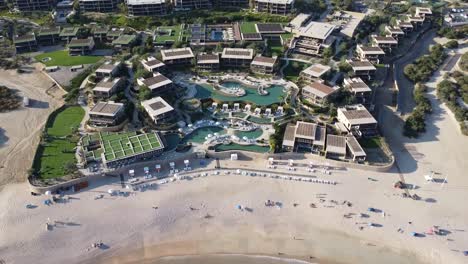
column 424, row 66
column 9, row 99
column 452, row 44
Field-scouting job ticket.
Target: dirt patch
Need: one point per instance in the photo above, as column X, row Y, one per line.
column 20, row 129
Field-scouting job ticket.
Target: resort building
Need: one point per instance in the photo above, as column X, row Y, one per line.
column 385, row 43
column 405, row 26
column 48, row 35
column 114, row 33
column 236, row 57
column 152, row 64
column 208, row 62
column 184, row 5
column 363, row 68
column 313, row 73
column 181, row 56
column 370, row 53
column 277, row 7
column 81, row 46
column 359, row 89
column 304, row 135
column 63, row 10
column 264, row 65
column 159, row 110
column 423, row 12
column 394, row 32
column 124, row 42
column 100, row 6
column 108, row 69
column 357, row 120
column 34, row 5
column 456, row 17
column 158, row 84
column 120, row 149
column 336, row 147
column 313, row 38
column 100, row 32
column 25, row 43
column 2, row 4
column 106, row 114
column 108, row 87
column 354, row 149
column 318, row 93
column 299, row 21
column 415, row 20
column 147, row 7
column 67, row 34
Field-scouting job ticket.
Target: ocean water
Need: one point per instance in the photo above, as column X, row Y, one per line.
column 228, row 259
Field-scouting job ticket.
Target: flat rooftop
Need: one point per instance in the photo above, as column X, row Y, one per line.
column 45, row 31
column 384, row 40
column 100, row 29
column 24, row 38
column 319, row 89
column 172, row 54
column 317, row 30
column 371, row 50
column 124, row 40
column 207, row 58
column 152, row 62
column 108, row 67
column 156, row 106
column 146, row 2
column 69, row 32
column 269, row 28
column 316, row 70
column 251, row 36
column 106, row 108
column 237, row 53
column 336, row 144
column 356, row 85
column 357, row 114
column 363, row 65
column 106, row 85
column 354, row 146
column 76, row 43
column 264, row 61
column 299, row 20
column 158, row 80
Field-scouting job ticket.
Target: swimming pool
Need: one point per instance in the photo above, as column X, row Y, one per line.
column 198, row 136
column 172, row 140
column 249, row 134
column 234, row 146
column 216, row 35
column 205, row 91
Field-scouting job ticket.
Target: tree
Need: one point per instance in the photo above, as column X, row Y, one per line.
column 452, row 44
column 144, row 93
column 328, row 52
column 149, row 44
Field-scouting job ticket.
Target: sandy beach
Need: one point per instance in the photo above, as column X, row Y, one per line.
column 20, row 129
column 200, row 217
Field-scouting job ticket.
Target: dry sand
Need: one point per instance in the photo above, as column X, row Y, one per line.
column 132, row 231
column 20, row 129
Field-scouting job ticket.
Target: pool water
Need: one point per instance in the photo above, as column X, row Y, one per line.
column 205, row 91
column 249, row 134
column 234, row 146
column 172, row 140
column 217, row 35
column 198, row 136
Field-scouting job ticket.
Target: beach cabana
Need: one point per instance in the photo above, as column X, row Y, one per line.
column 131, row 173
column 234, row 156
column 291, row 162
column 172, row 165
column 146, row 169
column 271, row 161
column 158, row 167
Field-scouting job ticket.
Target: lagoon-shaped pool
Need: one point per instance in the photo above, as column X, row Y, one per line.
column 253, row 134
column 198, row 136
column 251, row 95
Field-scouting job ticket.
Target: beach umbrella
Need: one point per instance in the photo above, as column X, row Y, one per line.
column 110, row 191
column 48, row 193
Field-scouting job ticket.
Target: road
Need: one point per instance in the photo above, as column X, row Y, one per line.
column 405, row 95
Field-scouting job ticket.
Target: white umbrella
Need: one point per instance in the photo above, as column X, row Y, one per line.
column 48, row 193
column 110, row 191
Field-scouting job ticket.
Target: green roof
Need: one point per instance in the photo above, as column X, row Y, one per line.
column 115, row 32
column 100, row 29
column 125, row 145
column 45, row 31
column 69, row 32
column 124, row 40
column 77, row 43
column 24, row 38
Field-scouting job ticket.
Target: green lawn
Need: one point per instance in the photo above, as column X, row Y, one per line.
column 375, row 142
column 59, row 148
column 174, row 36
column 61, row 58
column 248, row 27
column 291, row 72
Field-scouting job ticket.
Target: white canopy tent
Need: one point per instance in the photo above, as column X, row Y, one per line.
column 234, row 156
